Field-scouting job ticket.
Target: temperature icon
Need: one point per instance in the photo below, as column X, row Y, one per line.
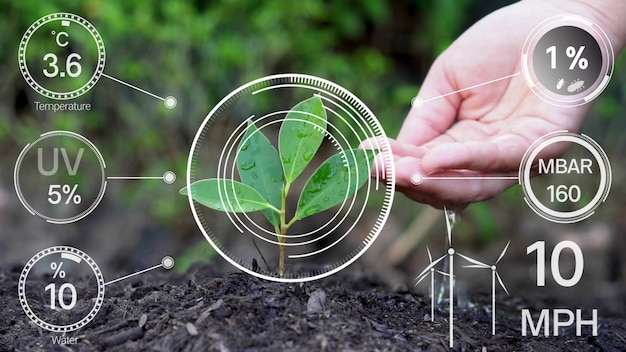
column 69, row 60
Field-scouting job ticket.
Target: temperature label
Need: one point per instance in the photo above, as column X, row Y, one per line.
column 60, row 177
column 61, row 56
column 50, row 297
column 567, row 60
column 577, row 184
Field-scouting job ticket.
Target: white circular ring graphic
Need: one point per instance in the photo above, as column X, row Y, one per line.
column 61, row 16
column 325, row 90
column 606, row 71
column 98, row 300
column 525, row 176
column 20, row 195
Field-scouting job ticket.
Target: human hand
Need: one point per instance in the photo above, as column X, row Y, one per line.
column 480, row 134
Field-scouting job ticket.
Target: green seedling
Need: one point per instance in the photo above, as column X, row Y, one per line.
column 267, row 174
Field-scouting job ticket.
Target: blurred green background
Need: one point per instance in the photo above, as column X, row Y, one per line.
column 198, row 52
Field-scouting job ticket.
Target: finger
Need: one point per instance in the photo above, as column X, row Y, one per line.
column 455, row 194
column 501, row 154
column 400, row 149
column 454, row 189
column 372, row 143
column 397, row 148
column 431, row 114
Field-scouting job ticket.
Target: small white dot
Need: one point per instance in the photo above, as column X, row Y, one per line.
column 170, row 102
column 417, row 102
column 417, row 179
column 451, row 251
column 169, row 177
column 167, row 262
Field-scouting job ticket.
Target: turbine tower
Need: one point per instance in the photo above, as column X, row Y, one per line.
column 494, row 275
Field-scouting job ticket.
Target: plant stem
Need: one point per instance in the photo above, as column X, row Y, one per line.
column 282, row 231
column 281, row 251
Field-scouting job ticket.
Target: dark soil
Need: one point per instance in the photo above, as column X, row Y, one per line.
column 351, row 311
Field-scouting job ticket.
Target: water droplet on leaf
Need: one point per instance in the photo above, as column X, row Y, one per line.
column 248, row 165
column 316, row 188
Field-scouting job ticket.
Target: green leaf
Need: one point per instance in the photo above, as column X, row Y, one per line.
column 259, row 167
column 300, row 136
column 238, row 197
column 338, row 178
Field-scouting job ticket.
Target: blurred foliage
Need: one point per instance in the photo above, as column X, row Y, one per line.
column 199, row 51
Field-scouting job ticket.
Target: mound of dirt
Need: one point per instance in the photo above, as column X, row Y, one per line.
column 351, row 311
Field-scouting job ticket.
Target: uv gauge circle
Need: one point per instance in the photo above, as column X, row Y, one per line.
column 61, row 289
column 567, row 60
column 60, row 177
column 61, row 56
column 333, row 207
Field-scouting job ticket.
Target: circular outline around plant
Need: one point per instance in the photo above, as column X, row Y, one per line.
column 340, row 185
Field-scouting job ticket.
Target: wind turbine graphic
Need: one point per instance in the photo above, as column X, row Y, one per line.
column 494, row 274
column 423, row 275
column 430, row 269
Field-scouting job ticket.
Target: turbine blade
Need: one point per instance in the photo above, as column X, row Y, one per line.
column 430, row 257
column 448, row 225
column 502, row 254
column 420, row 280
column 444, row 273
column 432, row 265
column 476, row 266
column 473, row 261
column 502, row 283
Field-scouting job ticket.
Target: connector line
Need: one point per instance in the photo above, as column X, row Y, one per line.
column 166, row 263
column 470, row 177
column 472, row 87
column 133, row 87
column 168, row 177
column 133, row 274
column 134, row 177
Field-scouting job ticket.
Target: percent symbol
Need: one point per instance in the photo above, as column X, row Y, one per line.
column 71, row 194
column 57, row 270
column 572, row 53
